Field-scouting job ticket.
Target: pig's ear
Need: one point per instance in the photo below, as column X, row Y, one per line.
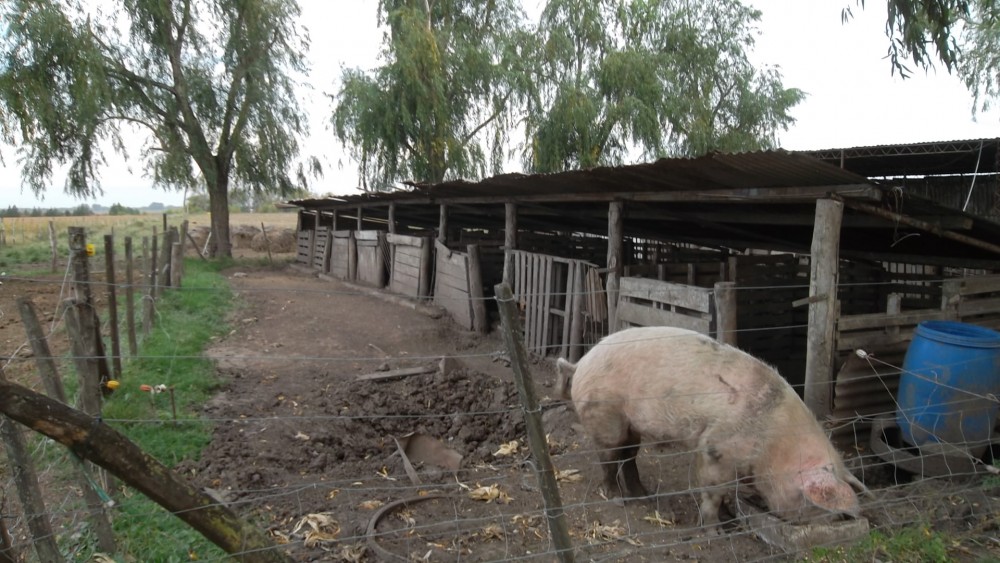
column 823, row 489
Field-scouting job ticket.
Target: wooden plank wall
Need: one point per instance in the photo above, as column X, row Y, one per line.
column 699, row 274
column 321, row 239
column 405, row 273
column 644, row 302
column 451, row 284
column 373, row 257
column 340, row 254
column 769, row 326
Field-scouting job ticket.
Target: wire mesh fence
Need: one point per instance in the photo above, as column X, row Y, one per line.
column 426, row 458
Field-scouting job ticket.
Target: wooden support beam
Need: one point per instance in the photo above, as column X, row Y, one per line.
column 823, row 277
column 918, row 224
column 443, row 225
column 615, row 254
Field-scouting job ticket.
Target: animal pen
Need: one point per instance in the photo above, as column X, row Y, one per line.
column 798, row 261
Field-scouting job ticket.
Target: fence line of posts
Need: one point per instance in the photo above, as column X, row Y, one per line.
column 94, row 366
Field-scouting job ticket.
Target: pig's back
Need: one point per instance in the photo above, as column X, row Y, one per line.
column 674, row 383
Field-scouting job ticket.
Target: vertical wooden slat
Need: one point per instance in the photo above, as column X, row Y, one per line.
column 547, row 304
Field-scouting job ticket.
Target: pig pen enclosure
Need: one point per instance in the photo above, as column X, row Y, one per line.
column 368, row 413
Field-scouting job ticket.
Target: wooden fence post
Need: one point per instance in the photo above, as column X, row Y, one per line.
column 133, row 348
column 112, row 293
column 53, row 245
column 23, row 471
column 147, row 310
column 509, row 242
column 88, row 322
column 513, row 339
column 54, row 388
column 823, row 274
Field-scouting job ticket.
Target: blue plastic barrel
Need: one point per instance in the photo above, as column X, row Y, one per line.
column 948, row 389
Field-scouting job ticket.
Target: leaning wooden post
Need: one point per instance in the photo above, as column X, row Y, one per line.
column 92, row 439
column 513, row 340
column 725, row 312
column 133, row 347
column 480, row 322
column 823, row 274
column 28, row 489
column 112, row 293
column 509, row 242
column 54, row 388
column 352, row 256
column 616, row 239
column 163, row 275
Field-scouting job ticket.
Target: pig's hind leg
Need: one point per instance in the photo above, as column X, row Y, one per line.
column 618, row 446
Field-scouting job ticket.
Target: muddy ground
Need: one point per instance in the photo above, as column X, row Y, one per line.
column 312, row 454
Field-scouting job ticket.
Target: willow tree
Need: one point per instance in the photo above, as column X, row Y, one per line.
column 450, row 89
column 658, row 77
column 208, row 82
column 963, row 35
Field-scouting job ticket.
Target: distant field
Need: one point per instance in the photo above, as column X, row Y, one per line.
column 32, row 230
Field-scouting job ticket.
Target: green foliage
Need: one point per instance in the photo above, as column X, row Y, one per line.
column 593, row 82
column 452, row 87
column 667, row 77
column 915, row 544
column 964, row 35
column 208, row 80
column 119, row 209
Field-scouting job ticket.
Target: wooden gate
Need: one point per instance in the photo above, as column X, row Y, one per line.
column 558, row 296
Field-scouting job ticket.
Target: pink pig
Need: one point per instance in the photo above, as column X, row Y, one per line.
column 743, row 419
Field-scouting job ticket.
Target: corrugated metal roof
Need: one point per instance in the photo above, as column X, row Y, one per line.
column 957, row 157
column 769, row 169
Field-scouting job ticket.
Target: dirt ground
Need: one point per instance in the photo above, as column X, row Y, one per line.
column 312, row 454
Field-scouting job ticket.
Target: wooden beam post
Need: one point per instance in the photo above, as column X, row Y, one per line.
column 361, row 219
column 616, row 237
column 823, row 277
column 725, row 312
column 352, row 257
column 443, row 225
column 510, row 242
column 426, row 265
column 480, row 321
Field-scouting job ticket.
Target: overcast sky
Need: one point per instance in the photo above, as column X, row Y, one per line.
column 852, row 98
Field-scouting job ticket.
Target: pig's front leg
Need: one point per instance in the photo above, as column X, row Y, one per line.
column 713, row 474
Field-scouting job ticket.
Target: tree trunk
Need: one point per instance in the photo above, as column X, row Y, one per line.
column 218, row 205
column 99, row 443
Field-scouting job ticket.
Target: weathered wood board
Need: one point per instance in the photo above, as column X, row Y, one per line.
column 451, row 284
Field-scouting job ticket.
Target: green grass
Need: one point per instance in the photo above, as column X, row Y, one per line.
column 914, row 544
column 186, row 321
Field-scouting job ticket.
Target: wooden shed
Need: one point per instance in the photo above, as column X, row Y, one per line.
column 794, row 259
